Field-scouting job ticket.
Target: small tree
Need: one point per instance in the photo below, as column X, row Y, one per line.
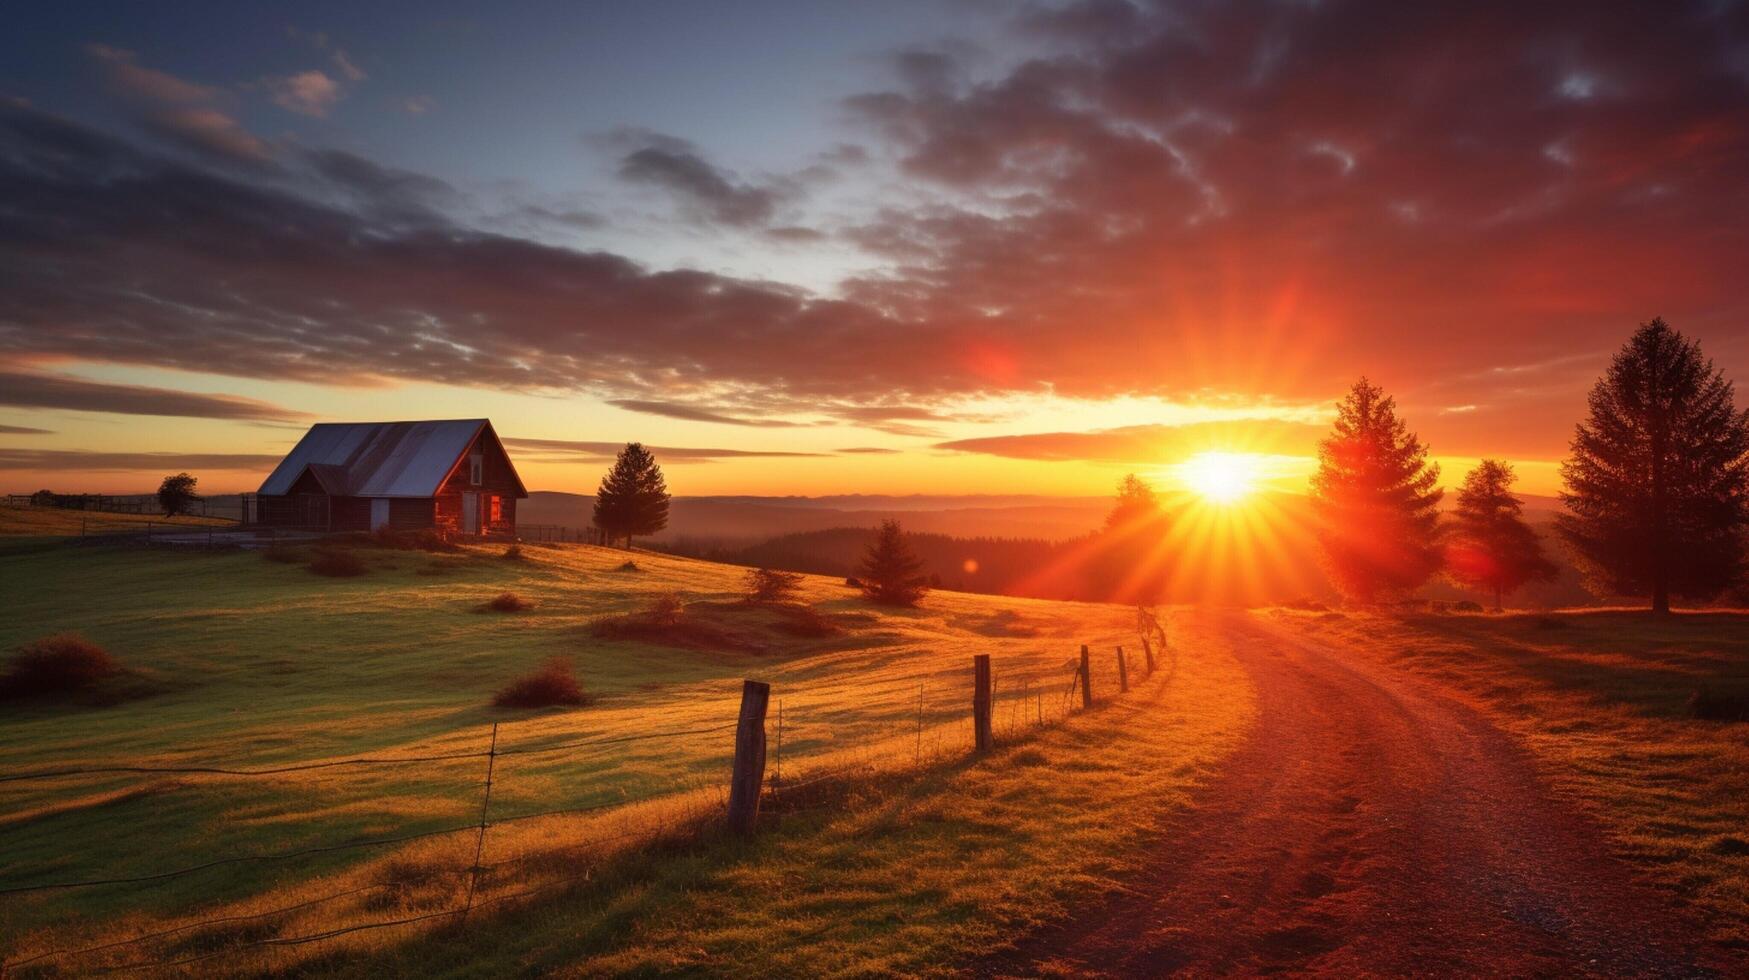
column 890, row 572
column 1657, row 487
column 1377, row 499
column 1130, row 557
column 176, row 494
column 771, row 585
column 633, row 496
column 1491, row 546
column 43, row 498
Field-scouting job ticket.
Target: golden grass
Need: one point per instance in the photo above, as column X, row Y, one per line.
column 55, row 522
column 1600, row 697
column 271, row 665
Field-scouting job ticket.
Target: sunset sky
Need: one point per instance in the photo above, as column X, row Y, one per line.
column 852, row 247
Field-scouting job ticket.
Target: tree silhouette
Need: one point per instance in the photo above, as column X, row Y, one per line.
column 176, row 494
column 633, row 497
column 1657, row 486
column 1491, row 547
column 1129, row 559
column 891, row 574
column 1377, row 499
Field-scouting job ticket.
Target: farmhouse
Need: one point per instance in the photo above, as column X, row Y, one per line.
column 452, row 475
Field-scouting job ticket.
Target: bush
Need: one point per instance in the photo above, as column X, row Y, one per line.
column 508, row 602
column 630, row 566
column 1714, row 704
column 806, row 622
column 1466, row 606
column 283, row 554
column 336, row 563
column 65, row 663
column 665, row 609
column 514, row 552
column 553, row 684
column 853, row 582
column 771, row 585
column 424, row 539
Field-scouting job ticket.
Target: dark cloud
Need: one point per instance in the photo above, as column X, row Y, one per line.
column 80, row 459
column 1149, row 443
column 599, row 451
column 23, row 430
column 1251, row 197
column 694, row 413
column 677, row 167
column 27, row 390
column 177, row 111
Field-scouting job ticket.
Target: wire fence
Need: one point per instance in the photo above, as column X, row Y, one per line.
column 809, row 758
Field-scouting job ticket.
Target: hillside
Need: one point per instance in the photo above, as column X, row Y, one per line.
column 241, row 662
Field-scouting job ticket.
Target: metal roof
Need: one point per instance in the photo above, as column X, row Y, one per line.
column 377, row 459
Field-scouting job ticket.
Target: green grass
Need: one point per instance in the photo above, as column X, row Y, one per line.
column 259, row 663
column 1601, row 699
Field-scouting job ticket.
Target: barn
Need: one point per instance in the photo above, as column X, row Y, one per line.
column 451, row 475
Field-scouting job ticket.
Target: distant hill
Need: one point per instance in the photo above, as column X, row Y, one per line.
column 749, row 519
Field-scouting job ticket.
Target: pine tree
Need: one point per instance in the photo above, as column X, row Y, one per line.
column 633, row 497
column 176, row 494
column 891, row 572
column 1377, row 499
column 1129, row 558
column 1657, row 487
column 1491, row 546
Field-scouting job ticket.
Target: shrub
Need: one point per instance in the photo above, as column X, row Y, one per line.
column 806, row 622
column 424, row 539
column 508, row 602
column 630, row 566
column 665, row 609
column 1714, row 704
column 336, row 563
column 514, row 552
column 771, row 585
column 1466, row 606
column 853, row 582
column 65, row 663
column 283, row 554
column 552, row 684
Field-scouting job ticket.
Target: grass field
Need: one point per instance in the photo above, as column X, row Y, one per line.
column 252, row 662
column 1601, row 699
column 53, row 522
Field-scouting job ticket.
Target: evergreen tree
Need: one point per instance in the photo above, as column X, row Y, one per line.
column 1129, row 557
column 633, row 497
column 176, row 494
column 1491, row 546
column 1377, row 499
column 1657, row 487
column 891, row 573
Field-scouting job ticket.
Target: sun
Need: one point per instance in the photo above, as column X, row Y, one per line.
column 1220, row 478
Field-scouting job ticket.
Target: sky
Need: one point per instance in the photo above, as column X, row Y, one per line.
column 840, row 247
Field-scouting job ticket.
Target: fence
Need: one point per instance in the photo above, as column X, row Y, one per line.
column 230, row 506
column 1031, row 700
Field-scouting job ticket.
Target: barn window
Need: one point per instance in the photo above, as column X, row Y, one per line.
column 497, row 508
column 476, row 468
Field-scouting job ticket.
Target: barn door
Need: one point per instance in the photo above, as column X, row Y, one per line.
column 379, row 513
column 470, row 513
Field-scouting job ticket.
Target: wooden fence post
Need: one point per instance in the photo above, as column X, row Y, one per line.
column 749, row 774
column 1148, row 654
column 1123, row 673
column 1086, row 679
column 983, row 740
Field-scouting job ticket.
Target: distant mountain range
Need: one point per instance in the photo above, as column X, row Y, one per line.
column 750, row 519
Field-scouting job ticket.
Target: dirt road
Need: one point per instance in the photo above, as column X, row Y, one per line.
column 1371, row 826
